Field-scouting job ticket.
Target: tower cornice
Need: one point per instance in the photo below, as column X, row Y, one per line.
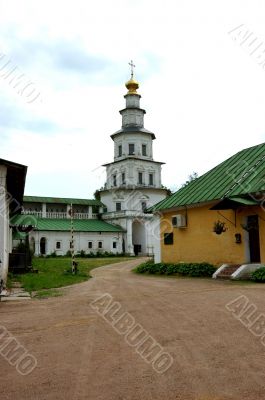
column 132, row 129
column 133, row 158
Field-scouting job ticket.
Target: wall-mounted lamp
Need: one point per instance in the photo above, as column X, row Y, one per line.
column 238, row 237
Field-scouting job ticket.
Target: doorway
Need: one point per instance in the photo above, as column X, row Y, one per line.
column 43, row 246
column 253, row 234
column 137, row 249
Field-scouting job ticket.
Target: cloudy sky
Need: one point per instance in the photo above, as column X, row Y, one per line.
column 200, row 68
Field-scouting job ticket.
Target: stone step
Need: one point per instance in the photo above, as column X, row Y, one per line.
column 16, row 285
column 228, row 271
column 223, row 276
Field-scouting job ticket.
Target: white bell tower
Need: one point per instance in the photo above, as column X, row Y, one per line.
column 133, row 179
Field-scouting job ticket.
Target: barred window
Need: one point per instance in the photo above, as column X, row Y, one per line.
column 168, row 238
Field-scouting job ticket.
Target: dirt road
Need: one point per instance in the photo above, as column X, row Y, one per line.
column 81, row 356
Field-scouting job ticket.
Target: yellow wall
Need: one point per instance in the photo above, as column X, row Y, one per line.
column 198, row 242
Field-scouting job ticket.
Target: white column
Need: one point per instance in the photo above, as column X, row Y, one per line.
column 4, row 225
column 37, row 243
column 43, row 210
column 90, row 212
column 130, row 249
column 156, row 237
column 148, row 238
column 68, row 208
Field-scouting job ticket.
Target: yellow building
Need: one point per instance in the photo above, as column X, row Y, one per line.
column 219, row 217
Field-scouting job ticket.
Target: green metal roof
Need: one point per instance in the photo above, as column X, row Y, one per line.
column 53, row 224
column 241, row 174
column 61, row 200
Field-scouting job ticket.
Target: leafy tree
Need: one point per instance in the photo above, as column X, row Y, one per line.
column 97, row 195
column 192, row 177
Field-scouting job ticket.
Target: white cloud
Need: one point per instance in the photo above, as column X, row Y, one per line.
column 203, row 93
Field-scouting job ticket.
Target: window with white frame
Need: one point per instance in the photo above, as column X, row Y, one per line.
column 90, row 245
column 114, row 245
column 144, row 150
column 140, row 178
column 118, row 206
column 100, row 245
column 120, row 150
column 58, row 245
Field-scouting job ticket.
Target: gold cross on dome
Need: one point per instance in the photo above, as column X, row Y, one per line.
column 132, row 67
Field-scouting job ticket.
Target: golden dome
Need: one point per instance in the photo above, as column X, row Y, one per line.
column 132, row 85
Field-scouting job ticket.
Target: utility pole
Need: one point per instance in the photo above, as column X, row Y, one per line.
column 74, row 264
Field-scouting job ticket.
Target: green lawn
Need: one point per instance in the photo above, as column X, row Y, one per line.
column 56, row 272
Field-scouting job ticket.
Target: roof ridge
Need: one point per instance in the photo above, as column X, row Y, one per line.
column 55, row 197
column 245, row 175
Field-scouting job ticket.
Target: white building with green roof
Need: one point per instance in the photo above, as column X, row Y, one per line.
column 50, row 218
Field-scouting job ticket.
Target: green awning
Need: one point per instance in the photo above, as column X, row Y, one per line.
column 232, row 203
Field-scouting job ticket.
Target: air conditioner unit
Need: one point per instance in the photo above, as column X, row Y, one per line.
column 179, row 221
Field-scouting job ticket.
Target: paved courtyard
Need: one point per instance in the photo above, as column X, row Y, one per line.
column 81, row 356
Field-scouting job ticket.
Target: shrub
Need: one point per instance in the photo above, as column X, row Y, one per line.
column 258, row 275
column 142, row 268
column 82, row 253
column 172, row 269
column 186, row 269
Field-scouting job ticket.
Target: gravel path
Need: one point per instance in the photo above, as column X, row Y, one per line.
column 81, row 356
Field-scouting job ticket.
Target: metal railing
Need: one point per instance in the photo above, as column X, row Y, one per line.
column 60, row 215
column 125, row 213
column 29, row 212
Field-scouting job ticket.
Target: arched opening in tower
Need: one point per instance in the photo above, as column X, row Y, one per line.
column 139, row 237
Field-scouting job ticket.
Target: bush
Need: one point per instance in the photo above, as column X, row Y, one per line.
column 144, row 267
column 186, row 269
column 258, row 275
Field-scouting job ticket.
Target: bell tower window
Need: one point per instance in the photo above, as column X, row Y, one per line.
column 118, row 206
column 140, row 178
column 144, row 153
column 143, row 204
column 114, row 178
column 151, row 179
column 123, row 181
column 120, row 150
column 131, row 149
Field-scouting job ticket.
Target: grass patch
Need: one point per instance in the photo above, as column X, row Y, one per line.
column 47, row 293
column 10, row 279
column 54, row 272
